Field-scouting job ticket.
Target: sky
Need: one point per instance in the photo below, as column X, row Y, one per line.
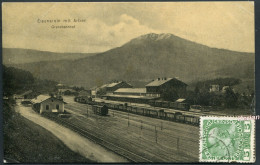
column 227, row 25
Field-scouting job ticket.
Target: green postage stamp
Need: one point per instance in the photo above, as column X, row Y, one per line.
column 227, row 139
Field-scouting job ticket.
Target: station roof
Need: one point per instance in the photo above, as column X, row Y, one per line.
column 63, row 90
column 131, row 90
column 131, row 96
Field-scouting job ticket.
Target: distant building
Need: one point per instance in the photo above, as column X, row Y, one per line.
column 67, row 92
column 109, row 88
column 224, row 89
column 84, row 93
column 116, row 85
column 60, row 86
column 214, row 88
column 93, row 92
column 161, row 85
column 45, row 103
column 27, row 95
column 131, row 91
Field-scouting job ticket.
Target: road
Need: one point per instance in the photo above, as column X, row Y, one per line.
column 71, row 139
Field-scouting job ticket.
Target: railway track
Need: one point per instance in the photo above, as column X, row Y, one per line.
column 134, row 118
column 110, row 146
column 188, row 137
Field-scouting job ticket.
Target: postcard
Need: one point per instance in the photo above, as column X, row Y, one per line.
column 129, row 82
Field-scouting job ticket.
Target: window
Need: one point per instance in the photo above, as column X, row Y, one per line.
column 57, row 106
column 47, row 107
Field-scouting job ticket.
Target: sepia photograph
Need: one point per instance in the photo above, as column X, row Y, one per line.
column 128, row 82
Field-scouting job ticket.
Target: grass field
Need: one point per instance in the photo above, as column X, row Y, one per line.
column 26, row 142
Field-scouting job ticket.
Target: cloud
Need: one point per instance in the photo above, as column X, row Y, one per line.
column 92, row 35
column 227, row 25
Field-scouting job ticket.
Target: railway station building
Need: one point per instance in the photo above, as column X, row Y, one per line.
column 45, row 103
column 116, row 85
column 161, row 85
column 131, row 91
column 110, row 88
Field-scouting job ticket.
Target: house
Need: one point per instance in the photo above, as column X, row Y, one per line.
column 224, row 89
column 161, row 85
column 131, row 91
column 45, row 103
column 214, row 88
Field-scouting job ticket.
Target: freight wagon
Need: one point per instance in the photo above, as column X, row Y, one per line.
column 100, row 110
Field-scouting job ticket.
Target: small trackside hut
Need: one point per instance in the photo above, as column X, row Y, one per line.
column 45, row 103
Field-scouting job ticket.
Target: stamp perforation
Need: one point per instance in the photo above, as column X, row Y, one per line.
column 226, row 118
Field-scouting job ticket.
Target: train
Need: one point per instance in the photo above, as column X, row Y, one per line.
column 171, row 105
column 100, row 110
column 183, row 116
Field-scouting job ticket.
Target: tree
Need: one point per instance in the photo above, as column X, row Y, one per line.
column 230, row 98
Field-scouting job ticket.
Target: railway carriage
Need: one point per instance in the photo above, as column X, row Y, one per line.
column 140, row 110
column 128, row 108
column 179, row 117
column 165, row 104
column 121, row 107
column 100, row 110
column 152, row 113
column 173, row 105
column 169, row 115
column 183, row 106
column 134, row 110
column 151, row 102
column 158, row 104
column 172, row 114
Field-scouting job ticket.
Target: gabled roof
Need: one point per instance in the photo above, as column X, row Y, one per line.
column 131, row 90
column 42, row 98
column 180, row 100
column 159, row 82
column 113, row 84
column 162, row 81
column 103, row 86
column 27, row 92
column 60, row 85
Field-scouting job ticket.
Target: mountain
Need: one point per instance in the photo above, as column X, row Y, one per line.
column 20, row 56
column 145, row 58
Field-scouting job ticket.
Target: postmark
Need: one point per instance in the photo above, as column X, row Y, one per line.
column 227, row 139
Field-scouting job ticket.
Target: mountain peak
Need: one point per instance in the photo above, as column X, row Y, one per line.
column 154, row 36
